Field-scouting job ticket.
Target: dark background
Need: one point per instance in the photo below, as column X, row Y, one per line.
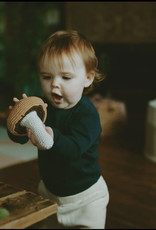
column 122, row 33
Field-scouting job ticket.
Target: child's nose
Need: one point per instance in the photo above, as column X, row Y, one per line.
column 55, row 83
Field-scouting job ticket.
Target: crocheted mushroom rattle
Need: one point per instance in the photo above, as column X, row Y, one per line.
column 30, row 112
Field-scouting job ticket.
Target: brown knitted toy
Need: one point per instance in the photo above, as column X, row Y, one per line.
column 30, row 112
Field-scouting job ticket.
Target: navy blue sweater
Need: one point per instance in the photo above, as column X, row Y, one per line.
column 71, row 165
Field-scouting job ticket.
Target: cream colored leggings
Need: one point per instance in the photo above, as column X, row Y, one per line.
column 86, row 209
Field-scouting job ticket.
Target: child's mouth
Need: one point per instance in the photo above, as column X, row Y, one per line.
column 57, row 98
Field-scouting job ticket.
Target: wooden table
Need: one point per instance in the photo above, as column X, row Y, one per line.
column 25, row 208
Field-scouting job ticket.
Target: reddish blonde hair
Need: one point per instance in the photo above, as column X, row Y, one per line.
column 66, row 42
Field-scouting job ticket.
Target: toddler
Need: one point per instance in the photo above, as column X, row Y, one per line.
column 70, row 172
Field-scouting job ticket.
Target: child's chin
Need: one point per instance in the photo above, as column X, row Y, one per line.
column 58, row 105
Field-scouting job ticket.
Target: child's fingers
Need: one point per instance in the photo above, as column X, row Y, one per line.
column 15, row 99
column 24, row 95
column 32, row 139
column 10, row 107
column 29, row 134
column 34, row 142
column 49, row 131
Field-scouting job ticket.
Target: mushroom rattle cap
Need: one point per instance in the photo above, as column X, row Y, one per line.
column 21, row 109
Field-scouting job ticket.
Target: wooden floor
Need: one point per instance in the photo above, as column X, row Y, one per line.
column 131, row 179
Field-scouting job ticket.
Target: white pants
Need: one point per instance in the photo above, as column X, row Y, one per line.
column 86, row 209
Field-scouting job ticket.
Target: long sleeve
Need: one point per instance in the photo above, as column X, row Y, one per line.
column 17, row 139
column 82, row 134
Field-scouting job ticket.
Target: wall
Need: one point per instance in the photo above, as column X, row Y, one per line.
column 113, row 22
column 124, row 37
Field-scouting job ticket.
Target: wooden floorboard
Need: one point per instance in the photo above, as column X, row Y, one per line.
column 130, row 176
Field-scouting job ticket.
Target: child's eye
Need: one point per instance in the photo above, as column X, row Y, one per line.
column 46, row 77
column 66, row 77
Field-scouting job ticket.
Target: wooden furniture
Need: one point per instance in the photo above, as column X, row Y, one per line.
column 25, row 208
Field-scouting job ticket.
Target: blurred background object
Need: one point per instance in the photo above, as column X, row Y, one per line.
column 113, row 115
column 150, row 131
column 23, row 28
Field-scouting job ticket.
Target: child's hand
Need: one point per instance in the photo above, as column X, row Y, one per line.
column 40, row 136
column 15, row 99
column 33, row 140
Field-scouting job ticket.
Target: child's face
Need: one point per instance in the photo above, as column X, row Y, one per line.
column 63, row 87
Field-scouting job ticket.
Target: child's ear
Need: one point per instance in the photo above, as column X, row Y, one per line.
column 90, row 78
